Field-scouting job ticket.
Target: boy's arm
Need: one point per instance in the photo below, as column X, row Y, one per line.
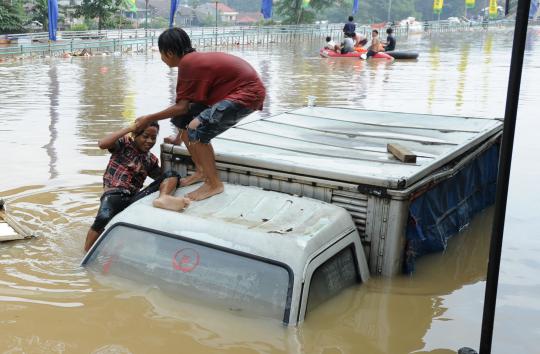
column 177, row 109
column 108, row 142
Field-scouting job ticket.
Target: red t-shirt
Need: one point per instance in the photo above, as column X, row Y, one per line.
column 208, row 78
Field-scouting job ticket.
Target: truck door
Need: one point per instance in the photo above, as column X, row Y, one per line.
column 329, row 273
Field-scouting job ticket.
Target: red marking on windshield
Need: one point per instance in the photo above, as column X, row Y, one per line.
column 186, row 260
column 108, row 263
column 112, row 257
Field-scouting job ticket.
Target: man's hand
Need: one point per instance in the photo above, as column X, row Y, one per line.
column 194, row 124
column 140, row 123
column 131, row 128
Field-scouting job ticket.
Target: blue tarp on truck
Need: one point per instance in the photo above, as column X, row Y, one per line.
column 447, row 208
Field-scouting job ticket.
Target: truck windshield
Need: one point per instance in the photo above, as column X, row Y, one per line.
column 184, row 269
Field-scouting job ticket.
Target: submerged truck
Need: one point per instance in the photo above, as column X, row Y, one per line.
column 313, row 203
column 401, row 210
column 245, row 250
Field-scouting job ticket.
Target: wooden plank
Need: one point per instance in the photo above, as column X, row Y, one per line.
column 11, row 229
column 401, row 153
column 7, row 233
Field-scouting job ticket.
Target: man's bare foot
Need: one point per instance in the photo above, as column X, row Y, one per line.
column 173, row 139
column 194, row 178
column 171, row 203
column 205, row 191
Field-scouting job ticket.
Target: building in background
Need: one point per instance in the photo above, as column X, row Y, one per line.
column 226, row 14
column 249, row 18
column 186, row 16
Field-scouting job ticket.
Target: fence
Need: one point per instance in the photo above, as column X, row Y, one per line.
column 141, row 40
column 120, row 41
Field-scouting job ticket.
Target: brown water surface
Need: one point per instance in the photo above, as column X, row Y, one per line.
column 52, row 112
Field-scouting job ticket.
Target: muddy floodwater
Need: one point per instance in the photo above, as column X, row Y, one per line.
column 53, row 111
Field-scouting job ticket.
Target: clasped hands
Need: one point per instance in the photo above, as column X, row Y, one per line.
column 143, row 121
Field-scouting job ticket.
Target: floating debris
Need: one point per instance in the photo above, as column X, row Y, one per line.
column 11, row 229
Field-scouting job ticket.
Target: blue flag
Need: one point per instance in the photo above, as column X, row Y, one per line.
column 534, row 9
column 53, row 18
column 266, row 9
column 355, row 7
column 174, row 6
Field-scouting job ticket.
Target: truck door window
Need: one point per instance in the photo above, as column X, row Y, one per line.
column 331, row 277
column 187, row 270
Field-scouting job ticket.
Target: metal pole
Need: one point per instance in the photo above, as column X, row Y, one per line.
column 505, row 161
column 389, row 9
column 216, row 21
column 506, row 7
column 146, row 18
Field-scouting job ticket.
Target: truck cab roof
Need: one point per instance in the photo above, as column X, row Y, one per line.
column 268, row 224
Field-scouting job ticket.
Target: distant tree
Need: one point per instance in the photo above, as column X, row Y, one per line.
column 41, row 13
column 158, row 22
column 127, row 5
column 79, row 27
column 371, row 11
column 402, row 9
column 12, row 17
column 243, row 5
column 118, row 21
column 194, row 3
column 207, row 20
column 100, row 9
column 296, row 11
column 451, row 8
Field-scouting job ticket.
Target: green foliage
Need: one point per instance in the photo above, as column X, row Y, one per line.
column 293, row 12
column 41, row 13
column 209, row 21
column 100, row 9
column 452, row 8
column 118, row 21
column 12, row 17
column 243, row 5
column 269, row 22
column 194, row 3
column 158, row 22
column 127, row 5
column 374, row 11
column 402, row 9
column 79, row 27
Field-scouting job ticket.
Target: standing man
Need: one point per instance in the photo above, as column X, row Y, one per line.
column 350, row 27
column 214, row 91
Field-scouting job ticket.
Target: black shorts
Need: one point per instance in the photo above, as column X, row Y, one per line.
column 114, row 201
column 194, row 110
column 214, row 120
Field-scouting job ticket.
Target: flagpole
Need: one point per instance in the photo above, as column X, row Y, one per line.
column 146, row 18
column 216, row 21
